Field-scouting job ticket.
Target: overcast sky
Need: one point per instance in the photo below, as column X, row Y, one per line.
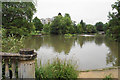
column 91, row 11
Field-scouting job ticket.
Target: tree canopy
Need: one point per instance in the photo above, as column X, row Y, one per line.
column 99, row 26
column 61, row 25
column 114, row 21
column 38, row 24
column 17, row 16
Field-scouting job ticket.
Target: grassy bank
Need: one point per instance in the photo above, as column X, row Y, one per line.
column 57, row 70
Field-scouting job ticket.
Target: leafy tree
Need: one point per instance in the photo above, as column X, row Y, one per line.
column 46, row 29
column 106, row 27
column 114, row 17
column 60, row 14
column 17, row 16
column 74, row 27
column 90, row 28
column 56, row 25
column 114, row 21
column 99, row 26
column 62, row 25
column 83, row 25
column 79, row 28
column 68, row 24
column 38, row 24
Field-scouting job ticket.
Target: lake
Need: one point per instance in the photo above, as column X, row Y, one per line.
column 85, row 51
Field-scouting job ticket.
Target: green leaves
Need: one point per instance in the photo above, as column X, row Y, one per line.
column 17, row 16
column 90, row 29
column 38, row 24
column 99, row 26
column 12, row 44
column 57, row 70
column 114, row 21
column 61, row 25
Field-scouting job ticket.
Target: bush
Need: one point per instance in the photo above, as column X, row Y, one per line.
column 108, row 77
column 57, row 70
column 46, row 29
column 116, row 32
column 68, row 35
column 12, row 44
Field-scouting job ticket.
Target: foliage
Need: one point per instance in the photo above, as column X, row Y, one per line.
column 79, row 29
column 83, row 28
column 116, row 32
column 68, row 35
column 62, row 25
column 114, row 21
column 90, row 29
column 99, row 26
column 46, row 29
column 105, row 27
column 35, row 33
column 56, row 25
column 16, row 17
column 12, row 44
column 83, row 24
column 38, row 24
column 108, row 77
column 57, row 70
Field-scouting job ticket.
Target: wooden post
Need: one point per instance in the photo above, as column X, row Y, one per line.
column 0, row 67
column 6, row 69
column 26, row 65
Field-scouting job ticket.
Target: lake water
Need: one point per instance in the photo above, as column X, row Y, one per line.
column 86, row 51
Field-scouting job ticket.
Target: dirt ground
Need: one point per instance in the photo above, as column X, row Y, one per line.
column 99, row 74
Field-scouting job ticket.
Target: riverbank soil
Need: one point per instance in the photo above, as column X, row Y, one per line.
column 99, row 74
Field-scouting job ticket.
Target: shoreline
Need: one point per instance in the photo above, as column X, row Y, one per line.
column 101, row 69
column 99, row 73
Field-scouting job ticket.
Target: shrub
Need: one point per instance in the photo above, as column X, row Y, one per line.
column 68, row 35
column 108, row 77
column 57, row 70
column 12, row 44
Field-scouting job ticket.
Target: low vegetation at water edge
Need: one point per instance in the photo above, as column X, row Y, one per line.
column 56, row 70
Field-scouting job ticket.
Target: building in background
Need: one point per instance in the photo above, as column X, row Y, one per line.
column 47, row 20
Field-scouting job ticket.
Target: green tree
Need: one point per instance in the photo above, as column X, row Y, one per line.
column 55, row 27
column 90, row 28
column 114, row 21
column 68, row 24
column 16, row 17
column 38, row 24
column 99, row 26
column 79, row 28
column 46, row 29
column 62, row 25
column 106, row 27
column 83, row 25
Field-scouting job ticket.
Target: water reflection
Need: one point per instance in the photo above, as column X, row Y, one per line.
column 90, row 52
column 112, row 56
column 59, row 43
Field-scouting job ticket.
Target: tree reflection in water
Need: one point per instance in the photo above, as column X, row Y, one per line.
column 62, row 44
